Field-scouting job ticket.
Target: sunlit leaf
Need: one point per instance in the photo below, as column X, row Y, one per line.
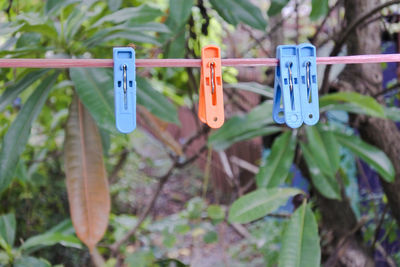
column 17, row 135
column 49, row 239
column 368, row 104
column 393, row 113
column 87, row 185
column 278, row 163
column 259, row 203
column 375, row 157
column 300, row 241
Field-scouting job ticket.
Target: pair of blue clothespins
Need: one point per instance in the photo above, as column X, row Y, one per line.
column 125, row 88
column 296, row 88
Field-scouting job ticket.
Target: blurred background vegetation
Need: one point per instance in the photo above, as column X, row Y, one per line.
column 249, row 194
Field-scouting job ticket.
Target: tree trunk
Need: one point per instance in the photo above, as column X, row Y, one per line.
column 367, row 79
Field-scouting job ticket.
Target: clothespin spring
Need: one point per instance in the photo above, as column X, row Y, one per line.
column 212, row 77
column 308, row 77
column 290, row 64
column 124, row 67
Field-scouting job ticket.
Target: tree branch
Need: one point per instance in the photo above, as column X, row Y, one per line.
column 343, row 37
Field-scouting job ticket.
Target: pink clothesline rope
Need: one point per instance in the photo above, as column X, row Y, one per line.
column 182, row 62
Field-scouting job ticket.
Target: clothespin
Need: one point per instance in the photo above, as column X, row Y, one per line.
column 211, row 96
column 286, row 107
column 308, row 84
column 125, row 88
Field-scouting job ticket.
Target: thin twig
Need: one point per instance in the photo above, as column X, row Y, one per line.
column 115, row 246
column 343, row 37
column 379, row 226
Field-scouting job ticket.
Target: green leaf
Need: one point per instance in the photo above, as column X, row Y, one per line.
column 259, row 203
column 253, row 87
column 43, row 29
column 114, row 5
column 143, row 13
column 95, row 89
column 375, row 157
column 7, row 228
column 319, row 8
column 14, row 90
column 326, row 184
column 393, row 113
column 324, row 148
column 175, row 41
column 179, row 11
column 140, row 259
column 27, row 261
column 300, row 241
column 236, row 11
column 53, row 6
column 243, row 127
column 17, row 135
column 216, row 212
column 155, row 102
column 366, row 103
column 278, row 163
column 210, row 237
column 49, row 239
column 276, row 7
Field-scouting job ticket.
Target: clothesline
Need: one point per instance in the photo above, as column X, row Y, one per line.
column 181, row 62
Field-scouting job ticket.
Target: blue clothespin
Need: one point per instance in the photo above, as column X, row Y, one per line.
column 125, row 88
column 308, row 83
column 286, row 88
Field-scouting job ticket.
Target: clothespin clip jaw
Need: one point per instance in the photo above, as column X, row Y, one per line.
column 125, row 88
column 287, row 87
column 308, row 83
column 211, row 96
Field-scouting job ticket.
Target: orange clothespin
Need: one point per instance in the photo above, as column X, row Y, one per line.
column 211, row 96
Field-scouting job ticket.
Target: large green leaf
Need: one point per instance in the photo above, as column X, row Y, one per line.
column 259, row 203
column 179, row 11
column 14, row 90
column 300, row 241
column 95, row 90
column 368, row 104
column 26, row 261
column 143, row 13
column 49, row 239
column 238, row 128
column 236, row 11
column 393, row 113
column 155, row 102
column 175, row 41
column 17, row 135
column 278, row 162
column 324, row 148
column 319, row 8
column 7, row 228
column 276, row 6
column 375, row 157
column 326, row 184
